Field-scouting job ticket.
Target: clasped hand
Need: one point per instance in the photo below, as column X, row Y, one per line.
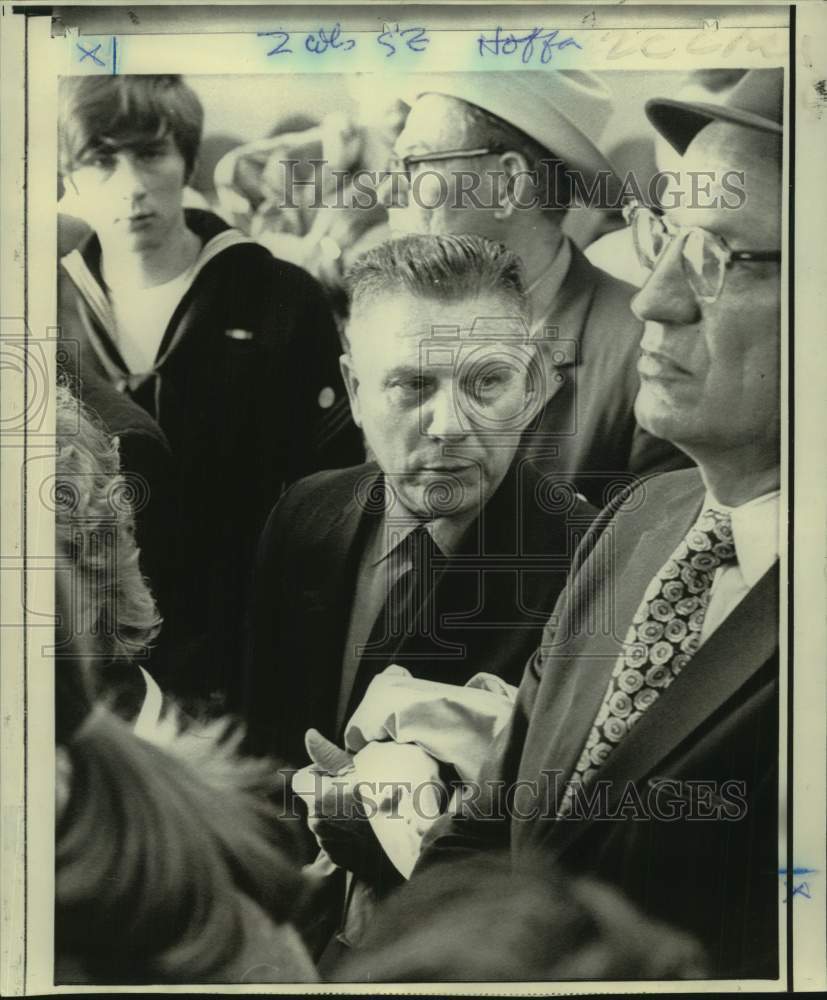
column 337, row 816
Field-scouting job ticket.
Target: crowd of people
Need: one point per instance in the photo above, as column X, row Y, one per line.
column 418, row 612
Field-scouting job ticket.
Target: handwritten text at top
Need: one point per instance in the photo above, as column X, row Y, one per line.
column 538, row 45
column 393, row 38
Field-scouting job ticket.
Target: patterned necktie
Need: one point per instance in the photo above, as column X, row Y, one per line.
column 665, row 632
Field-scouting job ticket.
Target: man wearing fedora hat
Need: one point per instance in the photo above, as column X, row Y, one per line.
column 646, row 726
column 503, row 155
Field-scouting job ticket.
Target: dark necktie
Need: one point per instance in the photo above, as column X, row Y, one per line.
column 664, row 634
column 404, row 617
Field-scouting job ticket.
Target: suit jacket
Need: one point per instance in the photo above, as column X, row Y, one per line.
column 701, row 856
column 491, row 599
column 587, row 431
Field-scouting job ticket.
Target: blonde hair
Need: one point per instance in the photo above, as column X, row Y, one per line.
column 95, row 527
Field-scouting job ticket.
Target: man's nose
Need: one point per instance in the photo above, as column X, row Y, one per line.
column 129, row 178
column 667, row 296
column 443, row 419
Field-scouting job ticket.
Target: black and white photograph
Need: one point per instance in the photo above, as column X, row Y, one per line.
column 413, row 531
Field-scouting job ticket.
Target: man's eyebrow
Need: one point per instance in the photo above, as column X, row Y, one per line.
column 150, row 142
column 402, row 372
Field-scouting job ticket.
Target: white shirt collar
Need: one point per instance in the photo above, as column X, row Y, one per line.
column 755, row 530
column 446, row 532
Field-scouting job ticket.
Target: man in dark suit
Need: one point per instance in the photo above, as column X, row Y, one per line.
column 446, row 554
column 644, row 745
column 508, row 156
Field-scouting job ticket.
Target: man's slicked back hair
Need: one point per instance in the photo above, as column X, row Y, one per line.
column 115, row 112
column 444, row 268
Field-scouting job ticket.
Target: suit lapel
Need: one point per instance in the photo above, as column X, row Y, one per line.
column 328, row 597
column 567, row 317
column 738, row 648
column 580, row 657
column 740, row 645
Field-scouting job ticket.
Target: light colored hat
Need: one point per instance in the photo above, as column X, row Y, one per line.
column 755, row 102
column 565, row 111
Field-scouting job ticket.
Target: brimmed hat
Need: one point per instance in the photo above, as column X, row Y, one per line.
column 755, row 102
column 565, row 111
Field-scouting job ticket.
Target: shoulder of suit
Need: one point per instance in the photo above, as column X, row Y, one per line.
column 253, row 263
column 545, row 495
column 610, row 337
column 682, row 488
column 325, row 493
column 613, row 297
column 638, row 508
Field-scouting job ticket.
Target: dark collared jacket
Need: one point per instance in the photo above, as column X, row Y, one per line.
column 486, row 610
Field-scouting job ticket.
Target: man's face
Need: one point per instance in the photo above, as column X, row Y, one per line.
column 441, row 405
column 710, row 371
column 132, row 196
column 447, row 196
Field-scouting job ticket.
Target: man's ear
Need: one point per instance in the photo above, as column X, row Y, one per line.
column 517, row 187
column 352, row 385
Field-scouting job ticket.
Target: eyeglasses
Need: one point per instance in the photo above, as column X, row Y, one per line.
column 705, row 256
column 403, row 164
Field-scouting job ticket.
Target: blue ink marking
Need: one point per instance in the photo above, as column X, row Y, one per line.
column 90, row 53
column 326, row 41
column 417, row 42
column 284, row 38
column 507, row 43
column 802, row 888
column 114, row 55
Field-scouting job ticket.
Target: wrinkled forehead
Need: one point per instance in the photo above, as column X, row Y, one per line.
column 402, row 323
column 729, row 182
column 433, row 118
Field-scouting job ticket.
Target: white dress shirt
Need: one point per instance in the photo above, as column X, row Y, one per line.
column 755, row 530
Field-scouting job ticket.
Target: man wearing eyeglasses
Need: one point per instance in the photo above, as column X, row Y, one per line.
column 502, row 155
column 646, row 727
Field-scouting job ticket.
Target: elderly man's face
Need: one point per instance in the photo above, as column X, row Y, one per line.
column 448, row 196
column 710, row 371
column 441, row 405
